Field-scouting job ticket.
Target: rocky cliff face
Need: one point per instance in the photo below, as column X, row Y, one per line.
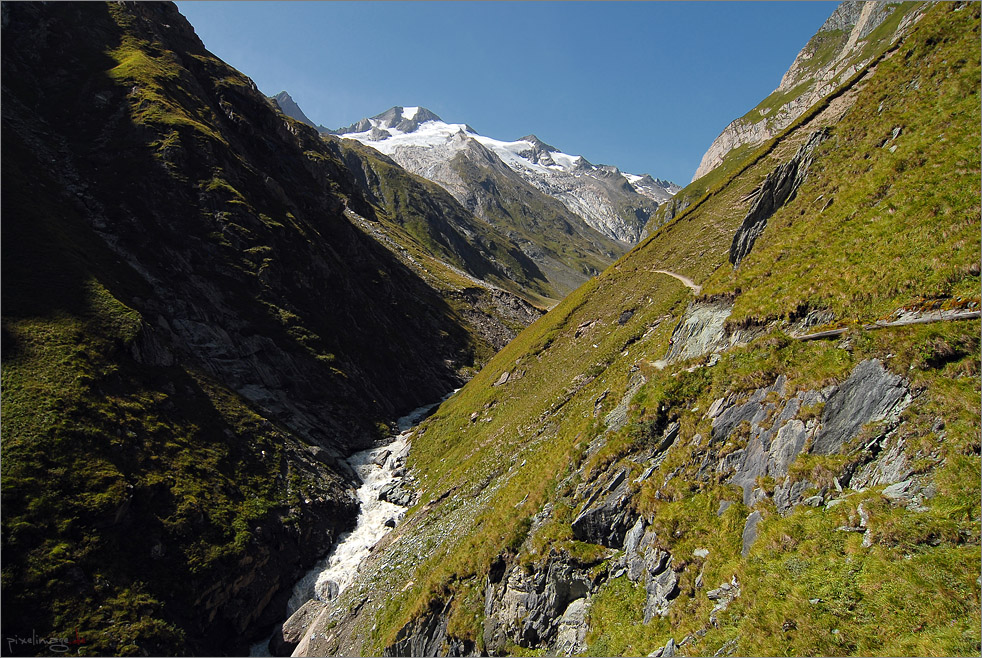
column 850, row 38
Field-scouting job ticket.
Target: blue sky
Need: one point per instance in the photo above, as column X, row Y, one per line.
column 645, row 86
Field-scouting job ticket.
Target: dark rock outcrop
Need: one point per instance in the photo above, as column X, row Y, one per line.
column 496, row 314
column 532, row 607
column 778, row 188
column 606, row 515
column 427, row 636
column 763, row 449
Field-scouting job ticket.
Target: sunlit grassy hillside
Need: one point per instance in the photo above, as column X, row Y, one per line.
column 886, row 220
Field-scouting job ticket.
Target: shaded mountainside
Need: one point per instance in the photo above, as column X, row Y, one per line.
column 649, row 470
column 197, row 328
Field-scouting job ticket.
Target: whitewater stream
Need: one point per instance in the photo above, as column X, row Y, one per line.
column 376, row 467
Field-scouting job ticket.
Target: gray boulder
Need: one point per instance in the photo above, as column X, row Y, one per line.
column 653, row 566
column 530, row 608
column 667, row 651
column 750, row 532
column 398, row 492
column 288, row 635
column 661, row 584
column 327, row 590
column 871, row 393
column 789, row 494
column 700, row 330
column 571, row 633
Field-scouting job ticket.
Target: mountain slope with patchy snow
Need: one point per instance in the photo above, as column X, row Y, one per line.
column 610, row 201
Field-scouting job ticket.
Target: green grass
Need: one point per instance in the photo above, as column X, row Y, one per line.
column 617, row 627
column 878, row 196
column 822, row 48
column 158, row 94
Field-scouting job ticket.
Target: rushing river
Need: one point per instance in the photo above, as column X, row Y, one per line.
column 376, row 467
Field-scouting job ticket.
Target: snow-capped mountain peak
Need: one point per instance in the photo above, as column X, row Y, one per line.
column 394, row 120
column 537, row 143
column 423, row 143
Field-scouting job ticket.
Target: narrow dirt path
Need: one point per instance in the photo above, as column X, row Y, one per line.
column 695, row 287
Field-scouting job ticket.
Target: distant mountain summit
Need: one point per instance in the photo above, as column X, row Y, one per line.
column 612, row 202
column 291, row 109
column 403, row 119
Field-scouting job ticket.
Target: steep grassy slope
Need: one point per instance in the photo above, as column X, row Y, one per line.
column 194, row 335
column 854, row 36
column 595, row 404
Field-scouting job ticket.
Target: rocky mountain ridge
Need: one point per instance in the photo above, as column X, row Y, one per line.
column 845, row 43
column 559, row 242
column 289, row 107
column 615, row 203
